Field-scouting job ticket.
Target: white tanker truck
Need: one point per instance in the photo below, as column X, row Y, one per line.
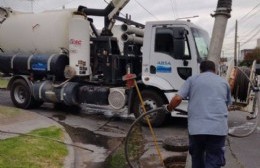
column 60, row 57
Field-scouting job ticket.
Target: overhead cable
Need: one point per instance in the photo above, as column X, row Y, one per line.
column 146, row 9
column 249, row 12
column 172, row 5
column 249, row 39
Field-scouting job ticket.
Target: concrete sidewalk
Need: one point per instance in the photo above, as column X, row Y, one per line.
column 22, row 121
column 241, row 152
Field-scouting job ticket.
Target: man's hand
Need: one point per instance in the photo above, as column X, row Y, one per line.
column 165, row 107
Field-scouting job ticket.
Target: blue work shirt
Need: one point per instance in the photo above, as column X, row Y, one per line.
column 209, row 95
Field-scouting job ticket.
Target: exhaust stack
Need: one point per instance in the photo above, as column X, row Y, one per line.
column 222, row 14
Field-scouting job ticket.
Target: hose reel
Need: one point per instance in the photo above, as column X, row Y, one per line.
column 245, row 88
column 241, row 84
column 241, row 81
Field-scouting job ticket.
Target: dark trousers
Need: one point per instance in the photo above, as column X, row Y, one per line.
column 207, row 151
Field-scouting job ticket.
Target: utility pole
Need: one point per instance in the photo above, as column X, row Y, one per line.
column 239, row 53
column 235, row 48
column 222, row 14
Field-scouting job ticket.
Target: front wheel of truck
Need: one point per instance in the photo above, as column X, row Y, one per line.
column 151, row 100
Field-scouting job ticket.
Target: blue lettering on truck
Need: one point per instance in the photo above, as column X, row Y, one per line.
column 163, row 67
column 39, row 67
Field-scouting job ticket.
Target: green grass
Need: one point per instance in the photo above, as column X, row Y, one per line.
column 3, row 82
column 30, row 152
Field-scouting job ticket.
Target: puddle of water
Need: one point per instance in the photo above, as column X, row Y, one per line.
column 84, row 136
column 101, row 145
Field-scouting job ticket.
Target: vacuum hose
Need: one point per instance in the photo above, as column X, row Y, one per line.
column 256, row 102
column 130, row 130
column 138, row 120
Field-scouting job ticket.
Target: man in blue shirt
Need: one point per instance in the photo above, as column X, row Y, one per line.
column 209, row 95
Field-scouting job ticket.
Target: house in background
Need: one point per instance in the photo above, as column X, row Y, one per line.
column 244, row 52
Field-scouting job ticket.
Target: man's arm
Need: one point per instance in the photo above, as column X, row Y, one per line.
column 182, row 93
column 176, row 101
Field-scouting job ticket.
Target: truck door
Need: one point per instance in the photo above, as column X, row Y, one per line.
column 170, row 58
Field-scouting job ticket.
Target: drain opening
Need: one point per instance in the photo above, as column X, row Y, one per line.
column 175, row 161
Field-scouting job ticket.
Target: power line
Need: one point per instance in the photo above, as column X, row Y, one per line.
column 172, row 5
column 244, row 16
column 176, row 8
column 249, row 12
column 249, row 39
column 249, row 32
column 146, row 9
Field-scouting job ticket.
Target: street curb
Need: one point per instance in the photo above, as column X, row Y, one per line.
column 69, row 161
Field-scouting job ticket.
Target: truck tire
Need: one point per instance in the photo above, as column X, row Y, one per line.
column 152, row 100
column 21, row 95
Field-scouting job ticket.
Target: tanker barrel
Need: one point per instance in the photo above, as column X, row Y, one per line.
column 221, row 15
column 131, row 38
column 132, row 30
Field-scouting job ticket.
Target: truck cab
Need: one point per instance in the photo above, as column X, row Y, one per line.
column 172, row 52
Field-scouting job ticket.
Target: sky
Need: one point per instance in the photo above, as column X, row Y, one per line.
column 247, row 12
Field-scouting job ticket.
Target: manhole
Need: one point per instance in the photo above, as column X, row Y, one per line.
column 175, row 161
column 176, row 144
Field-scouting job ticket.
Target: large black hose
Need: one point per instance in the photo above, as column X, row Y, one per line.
column 130, row 130
column 138, row 120
column 255, row 113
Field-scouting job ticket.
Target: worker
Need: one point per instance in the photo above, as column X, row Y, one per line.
column 209, row 96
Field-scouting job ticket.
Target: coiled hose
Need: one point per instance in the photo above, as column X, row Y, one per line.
column 256, row 103
column 138, row 120
column 241, row 92
column 241, row 84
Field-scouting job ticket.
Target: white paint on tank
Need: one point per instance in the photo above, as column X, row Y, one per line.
column 79, row 45
column 45, row 32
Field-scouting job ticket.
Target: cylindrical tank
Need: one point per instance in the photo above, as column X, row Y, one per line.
column 79, row 45
column 39, row 64
column 45, row 32
column 48, row 92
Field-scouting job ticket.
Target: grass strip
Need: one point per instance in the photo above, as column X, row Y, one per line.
column 24, row 151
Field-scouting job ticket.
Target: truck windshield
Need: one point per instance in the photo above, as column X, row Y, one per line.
column 202, row 42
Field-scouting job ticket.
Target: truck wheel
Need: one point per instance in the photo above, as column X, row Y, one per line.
column 21, row 95
column 151, row 101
